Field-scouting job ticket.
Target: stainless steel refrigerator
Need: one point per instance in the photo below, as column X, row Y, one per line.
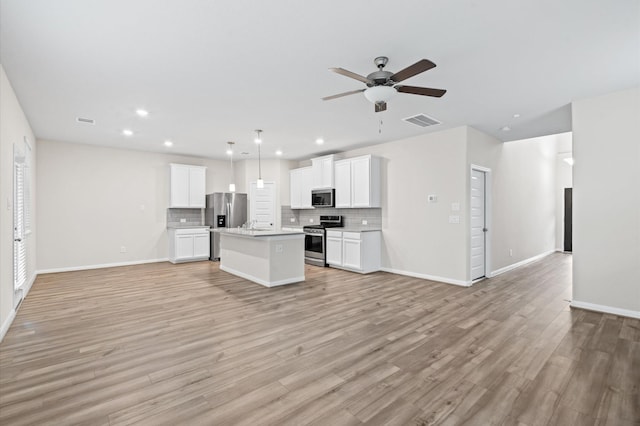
column 224, row 210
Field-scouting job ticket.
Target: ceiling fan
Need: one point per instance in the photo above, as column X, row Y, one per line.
column 383, row 85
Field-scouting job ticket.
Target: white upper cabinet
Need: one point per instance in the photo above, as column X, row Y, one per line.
column 342, row 182
column 187, row 186
column 300, row 181
column 357, row 182
column 322, row 172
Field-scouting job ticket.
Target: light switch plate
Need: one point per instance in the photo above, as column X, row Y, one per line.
column 432, row 198
column 455, row 207
column 183, row 220
column 310, row 220
column 292, row 219
column 364, row 222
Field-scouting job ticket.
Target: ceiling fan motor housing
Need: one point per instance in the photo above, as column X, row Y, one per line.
column 380, row 78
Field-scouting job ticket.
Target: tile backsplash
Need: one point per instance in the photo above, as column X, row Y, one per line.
column 350, row 217
column 193, row 217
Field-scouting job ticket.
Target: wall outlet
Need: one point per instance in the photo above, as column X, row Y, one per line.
column 364, row 221
column 310, row 220
column 454, row 219
column 511, row 252
column 279, row 248
column 123, row 249
column 432, row 198
column 141, row 207
column 183, row 220
column 292, row 220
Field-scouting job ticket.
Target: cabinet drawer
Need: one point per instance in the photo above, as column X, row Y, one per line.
column 335, row 234
column 192, row 231
column 351, row 235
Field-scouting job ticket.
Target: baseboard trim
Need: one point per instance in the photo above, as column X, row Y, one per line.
column 100, row 266
column 428, row 277
column 521, row 263
column 260, row 281
column 7, row 323
column 605, row 309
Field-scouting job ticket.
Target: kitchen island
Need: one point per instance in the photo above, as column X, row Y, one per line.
column 267, row 257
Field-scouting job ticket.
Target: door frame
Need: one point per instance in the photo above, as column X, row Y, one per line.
column 487, row 221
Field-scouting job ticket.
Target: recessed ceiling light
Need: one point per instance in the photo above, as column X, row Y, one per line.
column 142, row 112
column 278, row 152
column 168, row 143
column 319, row 141
column 127, row 132
column 516, row 115
column 506, row 129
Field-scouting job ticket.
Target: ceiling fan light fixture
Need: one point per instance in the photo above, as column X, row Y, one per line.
column 378, row 94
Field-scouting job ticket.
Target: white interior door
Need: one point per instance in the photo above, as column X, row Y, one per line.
column 19, row 235
column 263, row 205
column 478, row 224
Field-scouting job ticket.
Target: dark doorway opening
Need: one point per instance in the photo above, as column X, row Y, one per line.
column 568, row 222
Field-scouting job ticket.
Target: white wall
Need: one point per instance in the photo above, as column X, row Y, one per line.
column 524, row 192
column 564, row 179
column 273, row 170
column 417, row 236
column 13, row 128
column 606, row 202
column 93, row 200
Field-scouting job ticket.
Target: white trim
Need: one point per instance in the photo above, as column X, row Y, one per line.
column 521, row 263
column 488, row 210
column 605, row 309
column 260, row 281
column 27, row 286
column 7, row 324
column 100, row 266
column 428, row 277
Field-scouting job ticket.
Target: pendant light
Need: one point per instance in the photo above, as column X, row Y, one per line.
column 232, row 185
column 258, row 140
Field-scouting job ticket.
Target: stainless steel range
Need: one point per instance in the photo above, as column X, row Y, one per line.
column 315, row 247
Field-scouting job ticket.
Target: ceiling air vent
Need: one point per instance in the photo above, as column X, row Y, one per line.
column 85, row 120
column 422, row 120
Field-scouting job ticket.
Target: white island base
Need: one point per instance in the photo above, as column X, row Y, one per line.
column 269, row 258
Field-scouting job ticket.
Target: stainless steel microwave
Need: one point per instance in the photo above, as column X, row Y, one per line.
column 323, row 197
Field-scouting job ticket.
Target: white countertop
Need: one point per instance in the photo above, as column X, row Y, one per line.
column 187, row 226
column 255, row 233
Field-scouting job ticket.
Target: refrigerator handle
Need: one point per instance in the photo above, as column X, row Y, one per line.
column 228, row 215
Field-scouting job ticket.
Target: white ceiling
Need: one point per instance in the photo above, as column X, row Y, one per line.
column 213, row 71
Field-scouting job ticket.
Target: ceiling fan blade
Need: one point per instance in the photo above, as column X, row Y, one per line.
column 347, row 73
column 381, row 106
column 424, row 91
column 339, row 95
column 420, row 66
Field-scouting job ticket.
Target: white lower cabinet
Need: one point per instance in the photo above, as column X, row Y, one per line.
column 188, row 244
column 355, row 251
column 334, row 249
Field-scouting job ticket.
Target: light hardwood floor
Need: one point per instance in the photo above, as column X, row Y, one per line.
column 189, row 344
